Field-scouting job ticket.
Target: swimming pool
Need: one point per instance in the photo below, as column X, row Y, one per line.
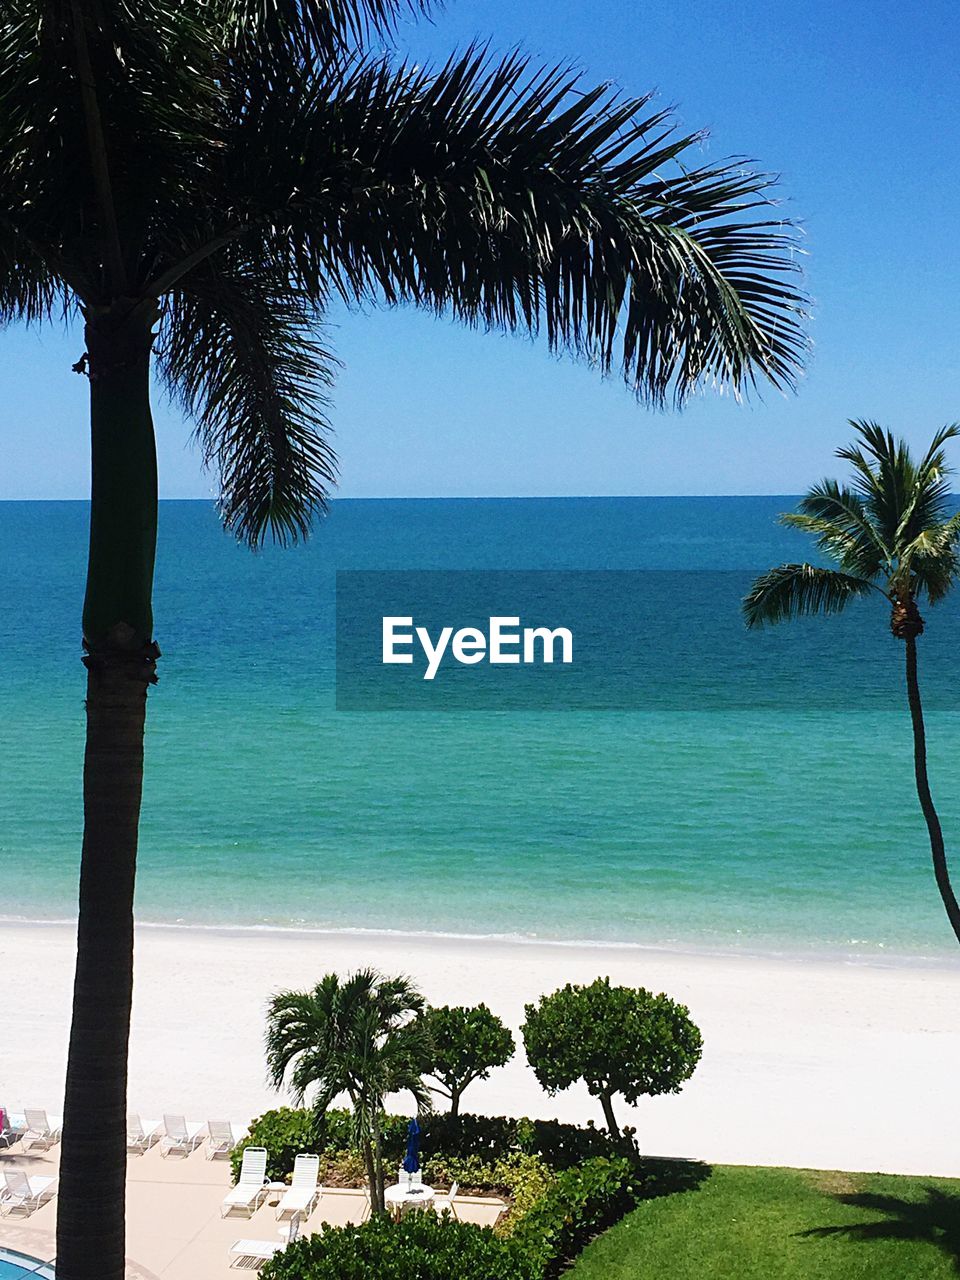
column 19, row 1266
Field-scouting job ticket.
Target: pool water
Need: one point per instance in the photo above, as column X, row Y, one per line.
column 18, row 1266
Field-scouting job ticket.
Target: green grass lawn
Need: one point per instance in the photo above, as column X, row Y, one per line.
column 786, row 1224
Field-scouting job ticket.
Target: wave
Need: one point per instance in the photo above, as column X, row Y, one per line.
column 880, row 954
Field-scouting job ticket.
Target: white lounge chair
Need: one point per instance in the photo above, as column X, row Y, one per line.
column 304, row 1192
column 252, row 1254
column 9, row 1132
column 140, row 1136
column 24, row 1193
column 39, row 1132
column 251, row 1185
column 220, row 1139
column 444, row 1203
column 179, row 1136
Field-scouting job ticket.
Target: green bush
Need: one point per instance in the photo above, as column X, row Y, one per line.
column 467, row 1043
column 521, row 1178
column 576, row 1205
column 444, row 1138
column 421, row 1246
column 491, row 1137
column 287, row 1131
column 618, row 1040
column 284, row 1132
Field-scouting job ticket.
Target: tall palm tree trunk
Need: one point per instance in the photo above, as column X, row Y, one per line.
column 923, row 790
column 120, row 660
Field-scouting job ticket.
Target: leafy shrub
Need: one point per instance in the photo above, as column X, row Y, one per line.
column 491, row 1137
column 421, row 1246
column 521, row 1178
column 284, row 1132
column 618, row 1040
column 565, row 1145
column 576, row 1205
column 444, row 1138
column 342, row 1169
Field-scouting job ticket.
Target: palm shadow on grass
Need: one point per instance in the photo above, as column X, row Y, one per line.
column 935, row 1219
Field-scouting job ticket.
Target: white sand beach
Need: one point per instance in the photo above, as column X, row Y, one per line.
column 806, row 1063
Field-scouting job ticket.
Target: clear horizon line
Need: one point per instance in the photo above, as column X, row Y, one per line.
column 467, row 497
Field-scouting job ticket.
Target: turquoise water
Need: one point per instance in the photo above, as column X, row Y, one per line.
column 763, row 800
column 17, row 1266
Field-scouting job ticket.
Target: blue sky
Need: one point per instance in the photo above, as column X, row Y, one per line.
column 853, row 104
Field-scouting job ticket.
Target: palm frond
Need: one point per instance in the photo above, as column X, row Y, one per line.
column 842, row 526
column 793, row 590
column 516, row 199
column 304, row 28
column 151, row 88
column 930, row 494
column 238, row 350
column 931, row 561
column 30, row 292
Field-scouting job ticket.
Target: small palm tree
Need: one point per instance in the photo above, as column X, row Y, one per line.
column 364, row 1037
column 891, row 532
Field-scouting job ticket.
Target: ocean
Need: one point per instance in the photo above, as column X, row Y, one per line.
column 759, row 799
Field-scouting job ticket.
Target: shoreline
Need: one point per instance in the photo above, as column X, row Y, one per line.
column 944, row 962
column 816, row 1064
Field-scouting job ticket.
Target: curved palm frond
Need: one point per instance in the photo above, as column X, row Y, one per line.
column 238, row 351
column 839, row 520
column 931, row 559
column 315, row 27
column 29, row 291
column 109, row 114
column 793, row 590
column 929, row 502
column 517, row 200
column 885, row 476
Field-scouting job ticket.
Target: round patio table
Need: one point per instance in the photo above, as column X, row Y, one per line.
column 400, row 1198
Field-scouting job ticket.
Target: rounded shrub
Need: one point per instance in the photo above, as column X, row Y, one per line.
column 618, row 1040
column 421, row 1246
column 468, row 1041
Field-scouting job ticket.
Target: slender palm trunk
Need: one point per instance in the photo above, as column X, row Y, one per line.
column 367, row 1147
column 923, row 790
column 381, row 1204
column 120, row 660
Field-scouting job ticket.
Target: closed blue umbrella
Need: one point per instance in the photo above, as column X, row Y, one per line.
column 411, row 1161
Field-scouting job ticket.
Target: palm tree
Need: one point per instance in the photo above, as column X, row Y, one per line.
column 196, row 184
column 891, row 532
column 364, row 1037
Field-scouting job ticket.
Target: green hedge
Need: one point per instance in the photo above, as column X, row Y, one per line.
column 488, row 1139
column 573, row 1207
column 577, row 1205
column 519, row 1177
column 421, row 1246
column 285, row 1133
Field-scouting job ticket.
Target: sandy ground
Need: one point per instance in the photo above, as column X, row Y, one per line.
column 174, row 1226
column 806, row 1063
